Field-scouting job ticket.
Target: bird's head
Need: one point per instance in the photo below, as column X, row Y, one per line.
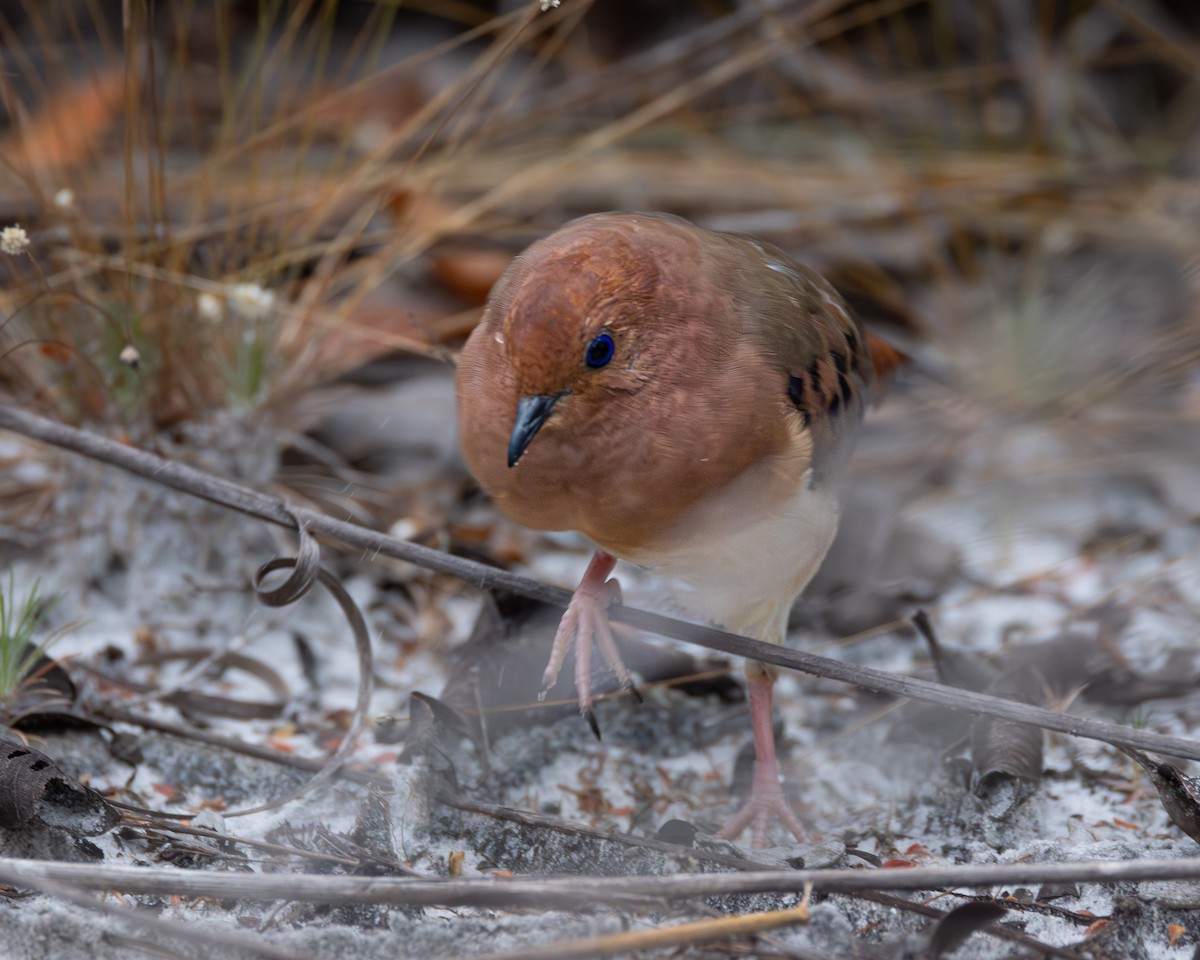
column 584, row 325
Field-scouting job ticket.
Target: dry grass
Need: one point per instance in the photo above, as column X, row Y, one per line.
column 258, row 196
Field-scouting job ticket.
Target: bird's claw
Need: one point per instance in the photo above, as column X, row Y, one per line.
column 585, row 620
column 767, row 802
column 589, row 715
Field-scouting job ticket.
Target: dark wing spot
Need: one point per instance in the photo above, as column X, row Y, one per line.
column 852, row 346
column 844, row 386
column 797, row 393
column 839, row 361
column 796, row 390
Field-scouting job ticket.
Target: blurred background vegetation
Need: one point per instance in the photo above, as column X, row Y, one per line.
column 232, row 204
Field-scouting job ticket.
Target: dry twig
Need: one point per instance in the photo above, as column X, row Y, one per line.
column 572, row 893
column 661, row 938
column 275, row 510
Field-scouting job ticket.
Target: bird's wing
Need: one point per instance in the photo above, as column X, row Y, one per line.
column 823, row 355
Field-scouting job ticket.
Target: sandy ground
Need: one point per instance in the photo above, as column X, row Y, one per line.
column 1096, row 566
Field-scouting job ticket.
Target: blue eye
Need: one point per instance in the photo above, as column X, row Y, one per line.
column 599, row 351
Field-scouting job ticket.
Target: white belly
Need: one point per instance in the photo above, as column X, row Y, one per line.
column 740, row 559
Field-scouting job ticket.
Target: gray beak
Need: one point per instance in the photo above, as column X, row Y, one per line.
column 532, row 412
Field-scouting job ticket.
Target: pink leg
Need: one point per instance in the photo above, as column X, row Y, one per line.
column 586, row 618
column 766, row 801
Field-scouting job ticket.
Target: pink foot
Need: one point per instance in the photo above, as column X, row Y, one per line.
column 586, row 618
column 767, row 801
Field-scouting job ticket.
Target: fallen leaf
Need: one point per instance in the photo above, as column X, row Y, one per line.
column 954, row 928
column 1180, row 794
column 32, row 787
column 55, row 350
column 470, row 274
column 66, row 130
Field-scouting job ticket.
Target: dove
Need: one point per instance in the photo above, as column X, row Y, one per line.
column 686, row 400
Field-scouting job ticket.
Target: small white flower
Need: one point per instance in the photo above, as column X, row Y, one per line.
column 404, row 529
column 65, row 198
column 209, row 306
column 550, row 5
column 131, row 356
column 14, row 240
column 251, row 301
